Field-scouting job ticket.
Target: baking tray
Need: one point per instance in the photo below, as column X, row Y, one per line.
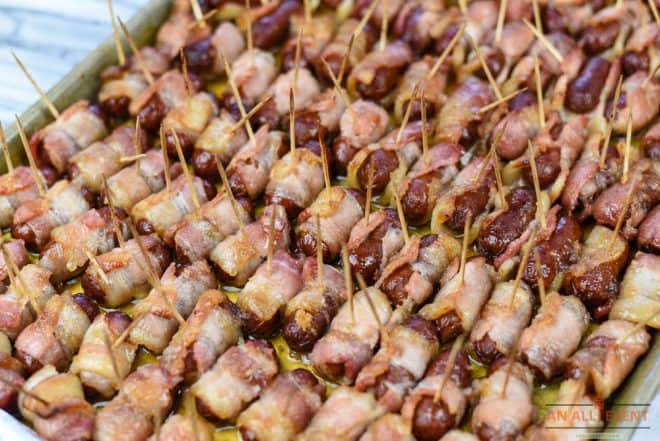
column 640, row 388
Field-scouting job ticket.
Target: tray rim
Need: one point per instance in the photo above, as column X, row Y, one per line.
column 81, row 82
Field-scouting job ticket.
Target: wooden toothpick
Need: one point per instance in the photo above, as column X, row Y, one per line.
column 425, row 135
column 248, row 31
column 539, row 92
column 115, row 222
column 237, row 97
column 16, row 278
column 370, row 183
column 365, row 18
column 292, row 123
column 344, row 60
column 339, row 89
column 504, row 99
column 624, row 211
column 184, row 71
column 246, row 118
column 654, row 10
column 324, row 163
column 319, row 254
column 271, row 241
column 608, row 130
column 464, row 248
column 97, row 268
column 166, row 161
column 537, row 187
column 402, row 217
column 186, row 172
column 5, row 150
column 372, row 307
column 296, row 63
column 449, row 367
column 639, row 326
column 230, row 193
column 539, row 275
column 500, row 21
column 626, row 152
column 485, row 67
column 549, row 46
column 44, row 98
column 111, row 354
column 137, row 53
column 383, row 28
column 348, row 280
column 36, row 173
column 20, row 389
column 121, row 56
column 521, row 267
column 445, row 53
column 406, row 115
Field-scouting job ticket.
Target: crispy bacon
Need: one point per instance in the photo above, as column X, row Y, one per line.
column 34, row 220
column 179, row 29
column 410, row 276
column 284, row 409
column 68, row 417
column 457, row 304
column 238, row 256
column 505, row 406
column 56, row 334
column 124, row 268
column 212, row 328
column 75, row 129
column 254, row 73
column 344, row 416
column 354, row 333
column 182, row 286
column 310, row 312
column 196, row 236
column 217, row 139
column 16, row 188
column 144, row 396
column 554, row 334
column 16, row 311
column 638, row 293
column 239, row 376
column 400, row 362
column 167, row 93
column 66, row 255
column 132, row 184
column 502, row 321
column 605, row 360
column 104, row 158
column 338, row 210
column 93, row 363
column 188, row 120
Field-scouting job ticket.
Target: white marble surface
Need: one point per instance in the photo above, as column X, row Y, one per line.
column 50, row 36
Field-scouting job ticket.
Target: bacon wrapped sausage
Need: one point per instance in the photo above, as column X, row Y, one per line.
column 74, row 130
column 103, row 159
column 145, row 396
column 66, row 255
column 265, row 296
column 271, row 22
column 166, row 94
column 238, row 256
column 429, row 418
column 124, row 268
column 196, row 236
column 284, row 409
column 354, row 333
column 609, row 205
column 253, row 74
column 239, row 376
column 179, row 29
column 317, row 32
column 34, row 220
column 207, row 56
column 420, row 22
column 344, row 416
column 593, row 279
column 466, row 197
column 249, row 170
column 505, row 406
column 217, row 139
column 69, row 417
column 18, row 255
column 377, row 74
column 310, row 312
column 188, row 120
column 502, row 321
column 56, row 334
column 93, row 363
column 457, row 304
column 363, row 125
column 321, row 118
column 373, row 242
column 604, row 360
column 410, row 276
column 459, row 118
column 515, row 129
column 338, row 209
column 295, row 181
column 400, row 362
column 556, row 253
column 212, row 328
column 16, row 310
column 161, row 211
column 554, row 334
column 391, row 160
column 651, row 142
column 639, row 100
column 182, row 285
column 132, row 184
column 420, row 189
column 638, row 294
column 649, row 232
column 16, row 188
